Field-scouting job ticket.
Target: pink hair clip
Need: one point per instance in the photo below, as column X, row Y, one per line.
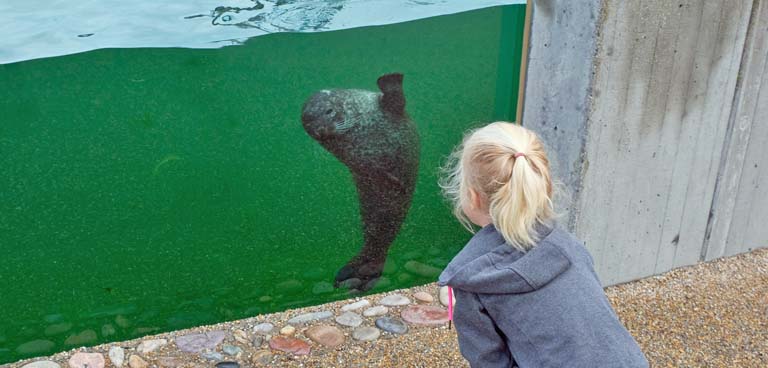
column 519, row 154
column 450, row 307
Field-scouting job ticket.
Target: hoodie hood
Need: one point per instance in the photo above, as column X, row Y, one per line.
column 489, row 265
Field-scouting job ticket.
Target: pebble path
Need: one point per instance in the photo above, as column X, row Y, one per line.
column 710, row 315
column 259, row 341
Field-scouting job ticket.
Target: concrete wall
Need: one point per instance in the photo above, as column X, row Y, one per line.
column 740, row 206
column 659, row 131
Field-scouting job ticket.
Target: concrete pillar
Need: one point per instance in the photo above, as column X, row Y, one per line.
column 561, row 59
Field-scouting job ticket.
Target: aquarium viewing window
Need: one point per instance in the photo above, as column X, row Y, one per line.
column 164, row 166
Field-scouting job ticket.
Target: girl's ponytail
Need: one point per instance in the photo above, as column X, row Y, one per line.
column 521, row 202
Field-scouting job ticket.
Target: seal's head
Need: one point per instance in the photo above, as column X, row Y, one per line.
column 333, row 113
column 322, row 113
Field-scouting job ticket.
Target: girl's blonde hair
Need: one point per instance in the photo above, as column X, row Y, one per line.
column 508, row 168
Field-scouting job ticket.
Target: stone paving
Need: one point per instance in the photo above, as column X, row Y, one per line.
column 712, row 314
column 258, row 341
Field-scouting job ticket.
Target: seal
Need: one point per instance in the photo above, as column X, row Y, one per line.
column 372, row 135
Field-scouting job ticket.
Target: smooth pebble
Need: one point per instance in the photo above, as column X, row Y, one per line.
column 240, row 336
column 289, row 344
column 86, row 360
column 322, row 287
column 257, row 341
column 195, row 343
column 356, row 305
column 424, row 315
column 135, row 361
column 394, row 300
column 443, row 294
column 41, row 364
column 227, row 365
column 169, row 362
column 325, row 335
column 309, row 317
column 116, row 356
column 392, row 325
column 263, row 328
column 83, row 338
column 349, row 319
column 366, row 333
column 423, row 297
column 212, row 355
column 262, row 357
column 148, row 346
column 287, row 330
column 378, row 310
column 231, row 349
column 421, row 269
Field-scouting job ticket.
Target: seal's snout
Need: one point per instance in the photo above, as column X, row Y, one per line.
column 306, row 117
column 318, row 115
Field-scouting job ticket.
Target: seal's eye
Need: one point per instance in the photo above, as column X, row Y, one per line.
column 329, row 112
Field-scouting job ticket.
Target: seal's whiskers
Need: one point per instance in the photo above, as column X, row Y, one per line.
column 347, row 124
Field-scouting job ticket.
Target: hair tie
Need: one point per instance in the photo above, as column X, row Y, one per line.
column 519, row 154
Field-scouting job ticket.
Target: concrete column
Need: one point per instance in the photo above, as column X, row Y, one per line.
column 740, row 205
column 561, row 60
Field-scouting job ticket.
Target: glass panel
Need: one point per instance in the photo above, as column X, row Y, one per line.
column 149, row 189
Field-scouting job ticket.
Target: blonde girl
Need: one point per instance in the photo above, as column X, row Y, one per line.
column 526, row 291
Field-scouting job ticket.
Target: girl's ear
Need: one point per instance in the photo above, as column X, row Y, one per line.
column 475, row 199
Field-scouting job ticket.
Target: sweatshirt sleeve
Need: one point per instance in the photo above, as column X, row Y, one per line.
column 480, row 340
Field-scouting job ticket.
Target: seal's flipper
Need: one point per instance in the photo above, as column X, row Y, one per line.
column 393, row 99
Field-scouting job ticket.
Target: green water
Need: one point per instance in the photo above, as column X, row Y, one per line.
column 146, row 190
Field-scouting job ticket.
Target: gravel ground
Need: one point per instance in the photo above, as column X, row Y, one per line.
column 709, row 315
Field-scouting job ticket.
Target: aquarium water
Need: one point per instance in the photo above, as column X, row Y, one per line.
column 155, row 174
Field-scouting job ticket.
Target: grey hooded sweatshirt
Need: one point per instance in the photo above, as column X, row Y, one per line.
column 542, row 308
